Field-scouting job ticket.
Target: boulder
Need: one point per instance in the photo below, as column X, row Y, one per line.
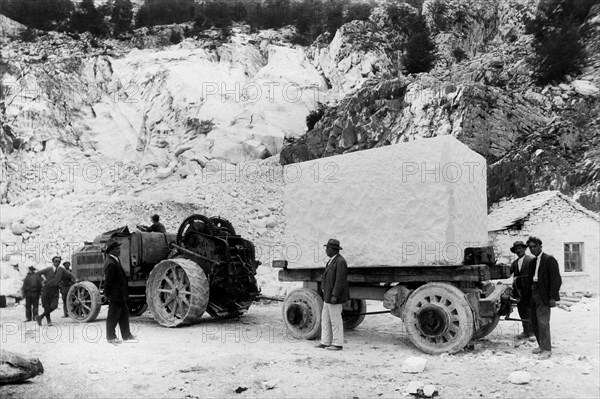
column 414, row 365
column 17, row 228
column 585, row 87
column 31, row 223
column 520, row 377
column 16, row 368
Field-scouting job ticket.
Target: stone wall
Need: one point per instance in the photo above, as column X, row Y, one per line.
column 555, row 223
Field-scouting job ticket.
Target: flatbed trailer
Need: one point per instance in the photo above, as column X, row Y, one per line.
column 443, row 307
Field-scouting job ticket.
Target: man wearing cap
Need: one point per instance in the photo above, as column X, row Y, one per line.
column 545, row 286
column 522, row 285
column 156, row 226
column 65, row 285
column 115, row 290
column 52, row 276
column 334, row 285
column 32, row 288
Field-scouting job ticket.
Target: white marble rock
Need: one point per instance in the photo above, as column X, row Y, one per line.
column 418, row 203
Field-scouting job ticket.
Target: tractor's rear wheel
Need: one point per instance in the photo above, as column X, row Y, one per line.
column 83, row 302
column 177, row 292
column 302, row 313
column 353, row 313
column 438, row 318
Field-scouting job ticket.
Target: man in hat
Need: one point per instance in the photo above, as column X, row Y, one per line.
column 334, row 285
column 52, row 276
column 545, row 287
column 65, row 285
column 115, row 290
column 32, row 288
column 522, row 285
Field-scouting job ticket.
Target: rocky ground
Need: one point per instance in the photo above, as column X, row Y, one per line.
column 254, row 357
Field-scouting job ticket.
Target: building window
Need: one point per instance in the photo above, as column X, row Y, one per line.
column 573, row 257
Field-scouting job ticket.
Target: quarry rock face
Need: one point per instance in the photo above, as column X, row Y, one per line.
column 417, row 203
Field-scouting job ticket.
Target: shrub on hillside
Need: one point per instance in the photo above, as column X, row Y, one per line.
column 28, row 35
column 557, row 38
column 175, row 37
column 314, row 116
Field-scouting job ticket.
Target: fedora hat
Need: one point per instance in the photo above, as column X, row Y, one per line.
column 32, row 268
column 56, row 257
column 517, row 244
column 333, row 243
column 111, row 244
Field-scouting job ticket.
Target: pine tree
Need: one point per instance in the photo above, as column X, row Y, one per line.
column 121, row 16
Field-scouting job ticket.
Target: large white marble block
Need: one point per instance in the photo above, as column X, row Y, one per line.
column 410, row 204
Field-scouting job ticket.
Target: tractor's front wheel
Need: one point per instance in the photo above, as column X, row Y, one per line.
column 83, row 302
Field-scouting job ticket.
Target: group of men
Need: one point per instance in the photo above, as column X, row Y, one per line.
column 536, row 286
column 47, row 284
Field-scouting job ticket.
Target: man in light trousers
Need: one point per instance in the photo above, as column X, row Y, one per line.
column 335, row 293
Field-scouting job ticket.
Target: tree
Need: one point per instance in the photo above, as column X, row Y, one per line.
column 39, row 14
column 419, row 56
column 162, row 12
column 88, row 18
column 557, row 45
column 121, row 16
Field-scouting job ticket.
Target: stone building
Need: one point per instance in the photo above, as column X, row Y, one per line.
column 568, row 231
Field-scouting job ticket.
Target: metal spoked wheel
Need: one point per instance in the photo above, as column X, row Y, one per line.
column 177, row 292
column 352, row 313
column 302, row 313
column 190, row 227
column 83, row 302
column 438, row 318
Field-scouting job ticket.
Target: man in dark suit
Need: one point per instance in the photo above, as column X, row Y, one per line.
column 65, row 285
column 545, row 285
column 522, row 285
column 32, row 288
column 115, row 290
column 52, row 277
column 334, row 285
column 156, row 226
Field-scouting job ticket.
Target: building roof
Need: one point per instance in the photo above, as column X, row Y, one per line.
column 513, row 211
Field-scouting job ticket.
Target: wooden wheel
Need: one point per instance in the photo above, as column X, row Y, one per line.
column 351, row 313
column 302, row 313
column 177, row 292
column 83, row 301
column 438, row 318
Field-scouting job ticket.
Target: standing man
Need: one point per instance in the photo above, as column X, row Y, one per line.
column 157, row 226
column 52, row 277
column 522, row 285
column 65, row 285
column 32, row 288
column 334, row 285
column 545, row 285
column 115, row 289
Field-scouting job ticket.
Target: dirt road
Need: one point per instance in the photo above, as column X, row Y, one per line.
column 257, row 358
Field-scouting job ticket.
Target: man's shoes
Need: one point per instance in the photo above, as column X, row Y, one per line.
column 545, row 355
column 38, row 319
column 25, row 321
column 131, row 338
column 537, row 351
column 50, row 324
column 335, row 348
column 115, row 341
column 322, row 346
column 65, row 316
column 523, row 336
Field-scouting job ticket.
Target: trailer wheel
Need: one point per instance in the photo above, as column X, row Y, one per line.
column 177, row 292
column 83, row 302
column 351, row 313
column 438, row 318
column 487, row 329
column 137, row 308
column 302, row 313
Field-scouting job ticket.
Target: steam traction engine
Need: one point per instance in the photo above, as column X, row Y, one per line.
column 206, row 266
